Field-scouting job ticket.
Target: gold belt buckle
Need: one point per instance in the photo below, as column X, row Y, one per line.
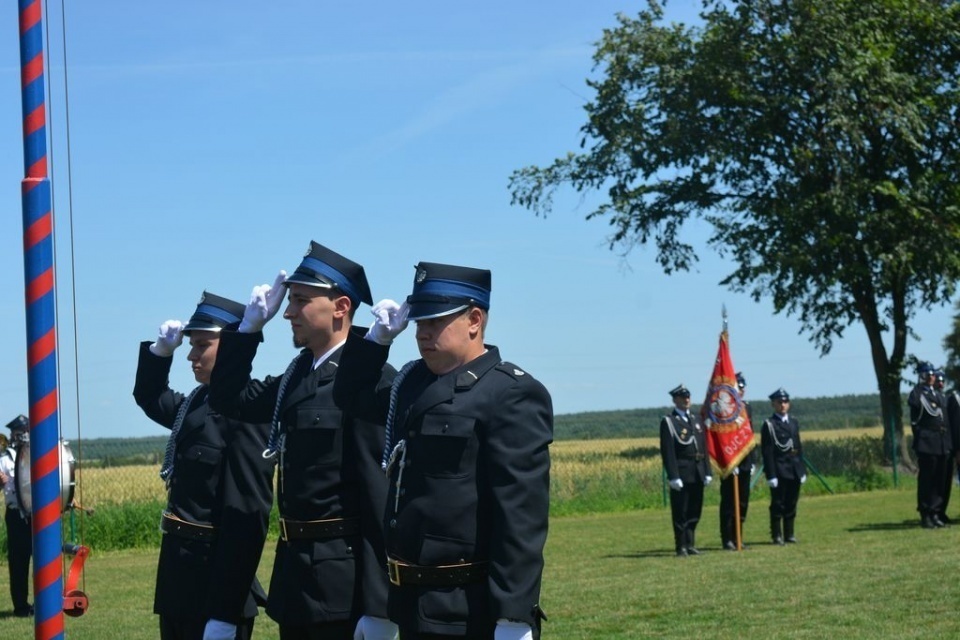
column 393, row 570
column 283, row 530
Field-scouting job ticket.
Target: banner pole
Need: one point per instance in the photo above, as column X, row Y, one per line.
column 736, row 510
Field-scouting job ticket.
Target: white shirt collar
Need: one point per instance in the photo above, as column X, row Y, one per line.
column 319, row 361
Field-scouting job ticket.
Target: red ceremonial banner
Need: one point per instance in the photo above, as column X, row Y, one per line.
column 729, row 432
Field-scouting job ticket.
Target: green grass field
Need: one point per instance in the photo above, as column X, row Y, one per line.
column 863, row 569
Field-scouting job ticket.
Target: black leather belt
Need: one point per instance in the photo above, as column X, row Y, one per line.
column 444, row 576
column 318, row 529
column 173, row 525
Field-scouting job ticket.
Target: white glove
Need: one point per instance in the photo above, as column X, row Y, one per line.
column 219, row 630
column 753, row 469
column 170, row 337
column 707, row 480
column 736, row 471
column 391, row 320
column 510, row 630
column 264, row 303
column 803, row 478
column 773, row 482
column 676, row 484
column 371, row 628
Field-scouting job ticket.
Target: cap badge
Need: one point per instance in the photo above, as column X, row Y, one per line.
column 421, row 275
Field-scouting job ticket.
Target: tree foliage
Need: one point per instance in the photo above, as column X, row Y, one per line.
column 819, row 139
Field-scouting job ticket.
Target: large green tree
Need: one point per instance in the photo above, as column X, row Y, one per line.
column 819, row 139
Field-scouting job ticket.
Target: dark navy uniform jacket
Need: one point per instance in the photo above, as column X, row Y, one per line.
column 330, row 468
column 931, row 434
column 781, row 448
column 474, row 487
column 219, row 479
column 683, row 449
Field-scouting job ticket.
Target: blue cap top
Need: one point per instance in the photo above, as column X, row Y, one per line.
column 780, row 394
column 214, row 313
column 20, row 423
column 442, row 289
column 680, row 390
column 327, row 269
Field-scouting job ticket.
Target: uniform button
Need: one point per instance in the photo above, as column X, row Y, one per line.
column 393, row 523
column 445, row 427
column 349, row 549
column 316, row 420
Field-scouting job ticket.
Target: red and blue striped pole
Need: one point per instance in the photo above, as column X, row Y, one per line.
column 41, row 333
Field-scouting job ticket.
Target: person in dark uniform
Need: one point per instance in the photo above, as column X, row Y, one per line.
column 468, row 459
column 783, row 465
column 931, row 442
column 743, row 472
column 952, row 403
column 683, row 449
column 220, row 489
column 329, row 576
column 19, row 536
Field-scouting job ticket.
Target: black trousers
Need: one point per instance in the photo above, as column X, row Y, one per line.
column 930, row 480
column 176, row 629
column 19, row 550
column 686, row 506
column 728, row 527
column 783, row 499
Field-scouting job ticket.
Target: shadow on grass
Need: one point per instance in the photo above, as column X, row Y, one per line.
column 885, row 526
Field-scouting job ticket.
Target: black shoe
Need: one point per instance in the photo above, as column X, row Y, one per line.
column 927, row 523
column 937, row 522
column 792, row 540
column 681, row 553
column 693, row 551
column 730, row 545
column 778, row 540
column 24, row 612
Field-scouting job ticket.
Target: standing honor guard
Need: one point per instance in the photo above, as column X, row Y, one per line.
column 468, row 459
column 19, row 537
column 743, row 472
column 951, row 403
column 783, row 465
column 220, row 489
column 329, row 580
column 683, row 449
column 932, row 443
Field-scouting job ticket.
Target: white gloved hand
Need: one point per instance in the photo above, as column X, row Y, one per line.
column 391, row 320
column 803, row 478
column 510, row 630
column 219, row 630
column 676, row 484
column 169, row 338
column 753, row 469
column 264, row 303
column 736, row 471
column 371, row 628
column 773, row 482
column 707, row 481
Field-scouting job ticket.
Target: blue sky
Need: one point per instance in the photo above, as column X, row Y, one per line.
column 210, row 142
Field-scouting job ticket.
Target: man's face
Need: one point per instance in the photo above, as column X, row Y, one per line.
column 203, row 353
column 312, row 312
column 681, row 402
column 447, row 342
column 781, row 406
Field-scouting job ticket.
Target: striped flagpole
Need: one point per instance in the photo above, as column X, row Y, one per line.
column 41, row 333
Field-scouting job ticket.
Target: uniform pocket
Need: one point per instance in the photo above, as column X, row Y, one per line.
column 449, row 446
column 317, row 439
